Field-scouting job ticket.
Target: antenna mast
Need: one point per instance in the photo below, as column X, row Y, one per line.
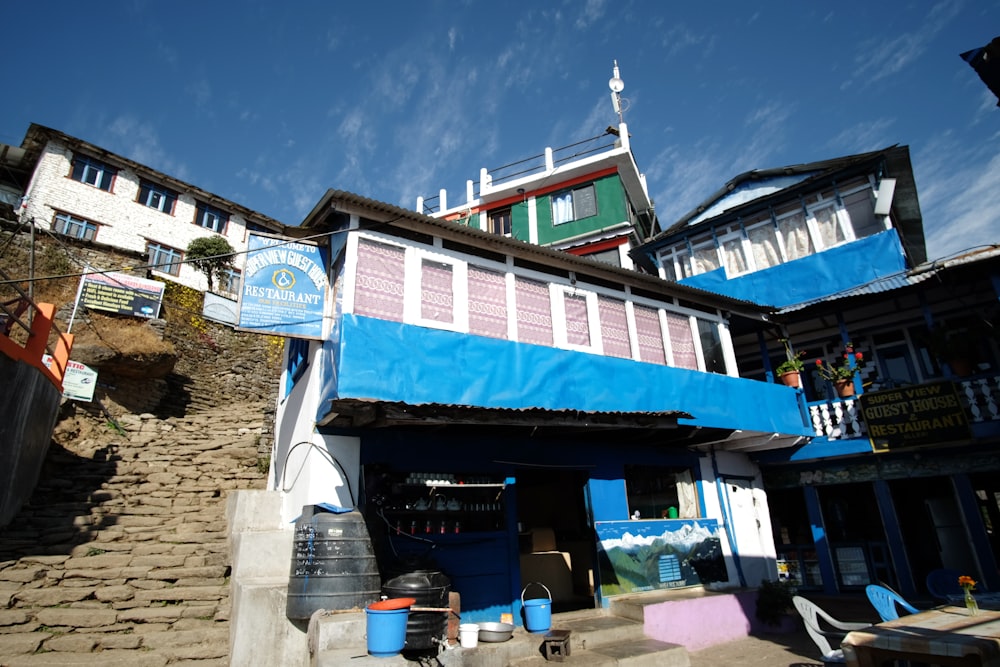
column 617, row 85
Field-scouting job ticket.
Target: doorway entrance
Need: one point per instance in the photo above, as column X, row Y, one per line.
column 556, row 539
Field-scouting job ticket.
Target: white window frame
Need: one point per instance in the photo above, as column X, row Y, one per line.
column 412, row 289
column 560, row 337
column 744, row 245
column 842, row 221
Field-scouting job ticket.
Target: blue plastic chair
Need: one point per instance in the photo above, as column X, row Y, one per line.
column 885, row 600
column 943, row 585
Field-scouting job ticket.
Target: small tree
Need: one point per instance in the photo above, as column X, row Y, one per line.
column 211, row 255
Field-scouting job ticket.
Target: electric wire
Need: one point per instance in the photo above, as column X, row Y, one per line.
column 325, row 454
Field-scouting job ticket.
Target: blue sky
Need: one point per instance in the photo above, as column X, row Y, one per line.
column 269, row 104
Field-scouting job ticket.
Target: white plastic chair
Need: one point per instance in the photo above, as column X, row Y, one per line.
column 811, row 615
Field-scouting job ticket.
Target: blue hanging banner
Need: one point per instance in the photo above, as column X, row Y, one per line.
column 284, row 288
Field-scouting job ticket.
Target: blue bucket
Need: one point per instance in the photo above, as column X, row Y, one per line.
column 537, row 612
column 386, row 631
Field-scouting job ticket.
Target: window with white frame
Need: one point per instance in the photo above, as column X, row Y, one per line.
column 499, row 222
column 705, row 257
column 93, row 172
column 157, row 196
column 734, row 253
column 829, row 225
column 210, row 217
column 437, row 291
column 575, row 312
column 164, row 258
column 534, row 311
column 487, row 302
column 649, row 334
column 381, row 273
column 229, row 280
column 574, row 204
column 682, row 343
column 78, row 228
column 794, row 231
column 711, row 346
column 614, row 327
column 764, row 245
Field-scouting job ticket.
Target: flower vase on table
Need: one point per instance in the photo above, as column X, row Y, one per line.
column 967, row 584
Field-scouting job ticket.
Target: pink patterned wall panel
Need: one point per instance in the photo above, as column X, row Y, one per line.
column 577, row 324
column 614, row 327
column 437, row 298
column 487, row 303
column 379, row 289
column 647, row 325
column 534, row 313
column 681, row 341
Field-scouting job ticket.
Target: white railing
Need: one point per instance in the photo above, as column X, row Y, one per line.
column 840, row 419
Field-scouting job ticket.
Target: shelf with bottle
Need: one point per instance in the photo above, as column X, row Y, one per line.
column 442, row 503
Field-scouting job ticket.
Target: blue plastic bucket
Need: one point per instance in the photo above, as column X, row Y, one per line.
column 537, row 612
column 386, row 631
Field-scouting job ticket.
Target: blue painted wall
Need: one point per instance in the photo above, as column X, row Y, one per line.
column 379, row 360
column 812, row 277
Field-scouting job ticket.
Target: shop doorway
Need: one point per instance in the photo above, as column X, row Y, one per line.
column 556, row 539
column 857, row 539
column 986, row 486
column 934, row 532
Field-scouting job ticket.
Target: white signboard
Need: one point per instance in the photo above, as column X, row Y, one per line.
column 79, row 382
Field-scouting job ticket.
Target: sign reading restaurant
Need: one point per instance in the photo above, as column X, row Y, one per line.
column 910, row 416
column 284, row 288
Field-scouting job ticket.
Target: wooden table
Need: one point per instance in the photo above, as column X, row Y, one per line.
column 941, row 636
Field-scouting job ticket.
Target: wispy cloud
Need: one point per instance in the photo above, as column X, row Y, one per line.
column 139, row 141
column 862, row 137
column 881, row 58
column 592, row 12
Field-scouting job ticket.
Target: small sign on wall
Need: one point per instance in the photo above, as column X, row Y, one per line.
column 923, row 414
column 121, row 293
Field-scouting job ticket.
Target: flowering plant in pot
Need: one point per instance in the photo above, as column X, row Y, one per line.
column 842, row 374
column 789, row 369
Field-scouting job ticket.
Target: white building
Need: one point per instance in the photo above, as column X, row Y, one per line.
column 86, row 192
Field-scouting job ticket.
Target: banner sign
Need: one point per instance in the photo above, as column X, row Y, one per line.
column 79, row 381
column 284, row 288
column 923, row 414
column 121, row 293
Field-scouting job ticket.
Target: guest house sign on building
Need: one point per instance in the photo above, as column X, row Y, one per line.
column 910, row 416
column 284, row 288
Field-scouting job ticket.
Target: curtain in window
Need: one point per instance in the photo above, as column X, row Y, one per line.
column 614, row 327
column 379, row 289
column 764, row 246
column 487, row 303
column 736, row 261
column 705, row 259
column 796, row 234
column 562, row 208
column 687, row 497
column 534, row 312
column 829, row 226
column 577, row 323
column 681, row 341
column 647, row 327
column 437, row 299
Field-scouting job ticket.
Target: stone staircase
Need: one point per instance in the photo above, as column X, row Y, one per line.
column 121, row 555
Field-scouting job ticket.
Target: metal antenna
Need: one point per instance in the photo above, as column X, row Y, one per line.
column 616, row 85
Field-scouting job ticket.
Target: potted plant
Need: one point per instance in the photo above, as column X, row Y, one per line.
column 789, row 369
column 774, row 604
column 842, row 374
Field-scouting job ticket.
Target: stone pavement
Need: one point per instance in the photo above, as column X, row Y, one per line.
column 121, row 555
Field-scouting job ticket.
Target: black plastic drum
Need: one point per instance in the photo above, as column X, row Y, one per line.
column 424, row 629
column 333, row 564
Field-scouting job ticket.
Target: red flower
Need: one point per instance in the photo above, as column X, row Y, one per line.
column 819, row 362
column 858, row 356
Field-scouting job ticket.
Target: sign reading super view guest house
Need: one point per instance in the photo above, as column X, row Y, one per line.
column 284, row 288
column 910, row 416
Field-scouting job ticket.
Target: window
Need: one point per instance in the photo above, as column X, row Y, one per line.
column 764, row 245
column 500, row 222
column 210, row 217
column 93, row 172
column 574, row 205
column 706, row 257
column 157, row 196
column 795, row 234
column 378, row 291
column 734, row 254
column 711, row 347
column 487, row 303
column 164, row 258
column 76, row 227
column 228, row 280
column 830, row 230
column 437, row 296
column 657, row 492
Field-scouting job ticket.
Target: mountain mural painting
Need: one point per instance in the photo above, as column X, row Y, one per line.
column 638, row 556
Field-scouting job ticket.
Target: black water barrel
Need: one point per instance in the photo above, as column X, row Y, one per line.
column 424, row 629
column 333, row 564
